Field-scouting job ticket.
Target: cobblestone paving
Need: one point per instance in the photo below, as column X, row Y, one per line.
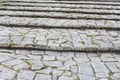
column 59, row 40
column 49, row 65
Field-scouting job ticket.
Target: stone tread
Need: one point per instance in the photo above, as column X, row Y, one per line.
column 59, row 15
column 60, row 39
column 74, row 6
column 58, row 23
column 67, row 10
column 64, row 2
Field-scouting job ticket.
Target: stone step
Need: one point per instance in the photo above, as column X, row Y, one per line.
column 93, row 0
column 67, row 10
column 64, row 2
column 60, row 39
column 74, row 6
column 59, row 15
column 58, row 23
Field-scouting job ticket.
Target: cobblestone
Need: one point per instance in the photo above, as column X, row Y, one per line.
column 36, row 64
column 12, row 62
column 112, row 67
column 86, row 41
column 54, row 68
column 65, row 78
column 116, row 76
column 43, row 77
column 6, row 73
column 25, row 75
column 53, row 63
column 59, row 40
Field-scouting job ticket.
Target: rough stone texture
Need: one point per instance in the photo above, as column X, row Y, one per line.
column 6, row 73
column 63, row 68
column 65, row 78
column 63, row 39
column 25, row 75
column 43, row 77
column 56, row 40
column 66, row 23
column 36, row 64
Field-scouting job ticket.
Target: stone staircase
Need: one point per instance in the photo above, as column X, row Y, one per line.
column 60, row 25
column 71, row 40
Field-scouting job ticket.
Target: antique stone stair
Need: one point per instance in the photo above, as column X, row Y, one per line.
column 60, row 25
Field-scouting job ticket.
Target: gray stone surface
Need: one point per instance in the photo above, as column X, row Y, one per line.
column 60, row 15
column 38, row 42
column 43, row 77
column 63, row 67
column 64, row 39
column 25, row 75
column 65, row 78
column 92, row 6
column 63, row 23
column 6, row 73
column 55, row 9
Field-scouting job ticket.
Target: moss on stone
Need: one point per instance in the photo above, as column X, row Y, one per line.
column 1, row 5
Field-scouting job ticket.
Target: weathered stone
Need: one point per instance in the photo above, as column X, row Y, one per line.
column 22, row 52
column 112, row 67
column 65, row 78
column 108, row 59
column 7, row 74
column 21, row 66
column 100, row 67
column 36, row 64
column 69, row 63
column 43, row 77
column 72, row 39
column 12, row 62
column 25, row 75
column 116, row 76
column 81, row 60
column 49, row 58
column 45, row 71
column 53, row 63
column 85, row 68
column 67, row 73
column 67, row 67
column 86, row 77
column 102, row 75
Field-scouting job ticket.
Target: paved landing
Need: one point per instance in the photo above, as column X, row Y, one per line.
column 49, row 65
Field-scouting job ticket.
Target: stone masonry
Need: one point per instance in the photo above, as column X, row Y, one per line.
column 59, row 40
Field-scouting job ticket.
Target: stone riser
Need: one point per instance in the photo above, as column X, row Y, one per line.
column 63, row 2
column 66, row 10
column 74, row 6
